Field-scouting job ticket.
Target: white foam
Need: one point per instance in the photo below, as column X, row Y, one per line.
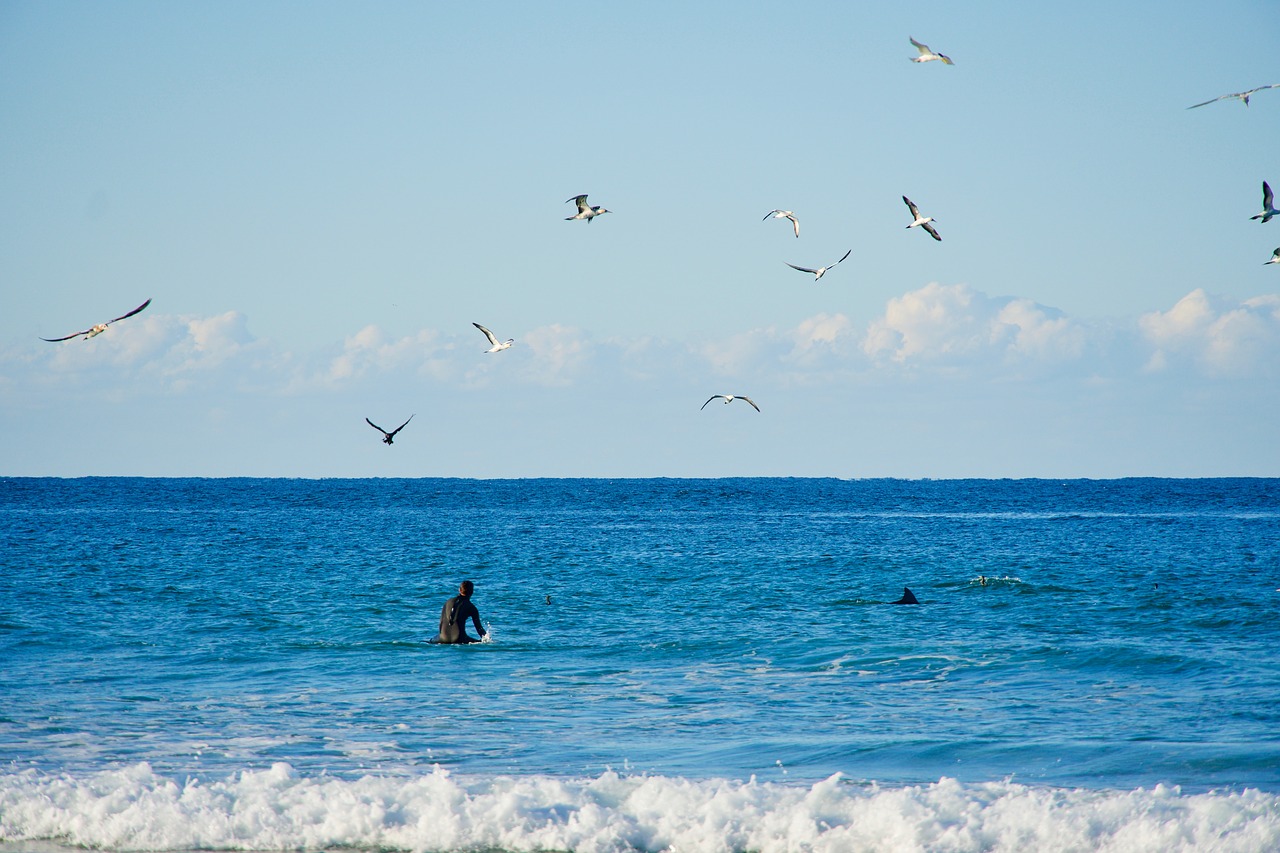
column 137, row 809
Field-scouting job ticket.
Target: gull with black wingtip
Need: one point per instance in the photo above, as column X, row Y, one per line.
column 784, row 214
column 1268, row 204
column 1241, row 96
column 820, row 271
column 585, row 211
column 729, row 398
column 99, row 328
column 495, row 345
column 927, row 55
column 921, row 221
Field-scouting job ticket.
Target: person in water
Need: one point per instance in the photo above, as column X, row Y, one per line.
column 454, row 616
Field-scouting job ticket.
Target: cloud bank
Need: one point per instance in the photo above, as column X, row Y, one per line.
column 947, row 331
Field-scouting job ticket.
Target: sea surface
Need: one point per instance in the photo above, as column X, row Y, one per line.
column 692, row 665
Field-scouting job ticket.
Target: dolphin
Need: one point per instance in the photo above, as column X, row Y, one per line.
column 908, row 597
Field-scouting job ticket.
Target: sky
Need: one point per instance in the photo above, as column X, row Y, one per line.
column 321, row 198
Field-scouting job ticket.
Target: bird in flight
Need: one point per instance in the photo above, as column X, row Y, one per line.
column 388, row 437
column 729, row 398
column 98, row 329
column 781, row 214
column 1244, row 96
column 495, row 346
column 922, row 221
column 927, row 55
column 1275, row 258
column 817, row 274
column 585, row 211
column 1268, row 204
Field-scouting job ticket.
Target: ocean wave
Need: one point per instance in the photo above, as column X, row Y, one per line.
column 136, row 809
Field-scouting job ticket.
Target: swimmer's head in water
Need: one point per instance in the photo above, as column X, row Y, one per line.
column 466, row 587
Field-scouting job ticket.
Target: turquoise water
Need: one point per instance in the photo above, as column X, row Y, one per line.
column 174, row 653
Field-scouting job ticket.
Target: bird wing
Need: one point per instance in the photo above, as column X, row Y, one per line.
column 1267, row 197
column 923, row 48
column 712, row 397
column 795, row 223
column 946, row 60
column 581, row 200
column 131, row 313
column 932, row 233
column 802, row 269
column 1210, row 101
column 108, row 323
column 488, row 334
column 749, row 400
column 375, row 426
column 67, row 337
column 842, row 257
column 402, row 426
column 773, row 213
column 911, row 207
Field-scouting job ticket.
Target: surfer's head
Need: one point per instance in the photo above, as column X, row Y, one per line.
column 466, row 588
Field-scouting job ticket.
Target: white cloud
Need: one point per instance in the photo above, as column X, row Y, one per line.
column 1214, row 335
column 559, row 354
column 1035, row 332
column 739, row 353
column 954, row 325
column 369, row 352
column 936, row 329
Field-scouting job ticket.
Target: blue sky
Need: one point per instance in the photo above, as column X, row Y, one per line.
column 321, row 198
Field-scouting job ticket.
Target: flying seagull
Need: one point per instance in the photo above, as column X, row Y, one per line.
column 493, row 340
column 922, row 221
column 1268, row 204
column 1244, row 96
column 817, row 274
column 729, row 398
column 927, row 55
column 585, row 211
column 98, row 329
column 388, row 437
column 781, row 214
column 1275, row 258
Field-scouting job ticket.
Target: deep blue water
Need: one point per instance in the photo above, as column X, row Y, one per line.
column 1126, row 635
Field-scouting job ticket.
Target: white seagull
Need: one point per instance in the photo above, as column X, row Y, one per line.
column 927, row 55
column 585, row 211
column 495, row 346
column 1244, row 96
column 781, row 214
column 1275, row 258
column 98, row 329
column 817, row 274
column 922, row 221
column 1268, row 204
column 729, row 398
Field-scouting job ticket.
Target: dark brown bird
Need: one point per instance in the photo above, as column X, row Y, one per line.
column 388, row 437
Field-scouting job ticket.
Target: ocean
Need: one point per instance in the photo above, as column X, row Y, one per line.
column 685, row 665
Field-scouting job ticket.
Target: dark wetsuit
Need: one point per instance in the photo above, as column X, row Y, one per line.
column 453, row 621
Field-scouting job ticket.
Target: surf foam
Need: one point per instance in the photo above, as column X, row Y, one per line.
column 136, row 809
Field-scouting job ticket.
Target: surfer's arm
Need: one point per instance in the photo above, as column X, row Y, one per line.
column 475, row 620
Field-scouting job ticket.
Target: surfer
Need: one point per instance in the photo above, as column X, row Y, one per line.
column 454, row 616
column 908, row 597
